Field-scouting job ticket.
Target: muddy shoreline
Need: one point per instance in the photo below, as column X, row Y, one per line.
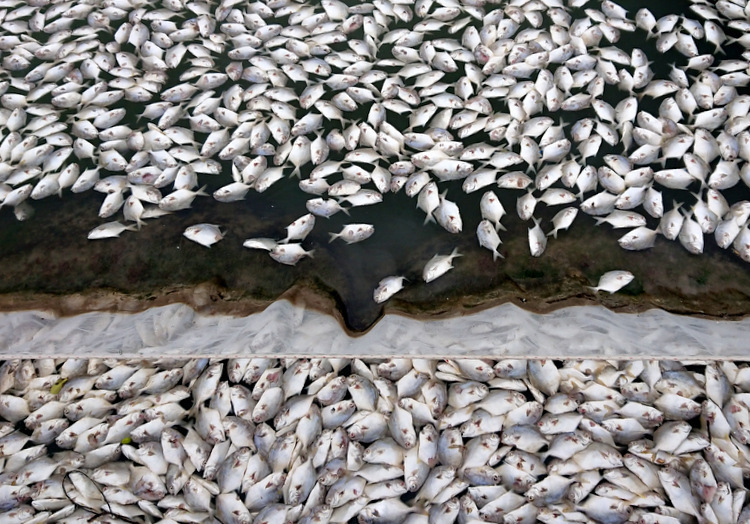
column 211, row 299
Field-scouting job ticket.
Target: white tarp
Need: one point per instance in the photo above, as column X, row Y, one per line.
column 284, row 329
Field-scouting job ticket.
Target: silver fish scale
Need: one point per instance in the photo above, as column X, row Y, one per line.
column 488, row 450
column 514, row 76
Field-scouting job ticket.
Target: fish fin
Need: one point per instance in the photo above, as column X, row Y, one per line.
column 334, row 236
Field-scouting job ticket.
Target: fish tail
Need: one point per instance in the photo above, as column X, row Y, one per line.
column 553, row 233
column 496, row 254
column 310, row 253
column 599, row 221
column 500, row 227
column 334, row 236
column 592, row 288
column 345, row 210
column 295, row 172
column 455, row 253
column 428, row 218
column 202, row 191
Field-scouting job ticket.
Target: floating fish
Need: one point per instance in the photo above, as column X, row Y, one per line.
column 352, row 233
column 388, row 287
column 613, row 281
column 109, row 230
column 289, row 254
column 439, row 265
column 204, row 234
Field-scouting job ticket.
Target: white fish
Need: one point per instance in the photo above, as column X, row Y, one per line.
column 300, row 228
column 613, row 281
column 638, row 239
column 488, row 238
column 260, row 243
column 387, row 287
column 691, row 235
column 492, row 209
column 232, row 192
column 289, row 254
column 324, row 208
column 563, row 219
column 439, row 265
column 17, row 196
column 448, row 215
column 525, row 205
column 180, row 199
column 109, row 230
column 537, row 239
column 619, row 219
column 204, row 234
column 352, row 233
column 363, row 197
column 428, row 200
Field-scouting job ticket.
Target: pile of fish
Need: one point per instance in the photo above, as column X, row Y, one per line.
column 320, row 91
column 261, row 440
